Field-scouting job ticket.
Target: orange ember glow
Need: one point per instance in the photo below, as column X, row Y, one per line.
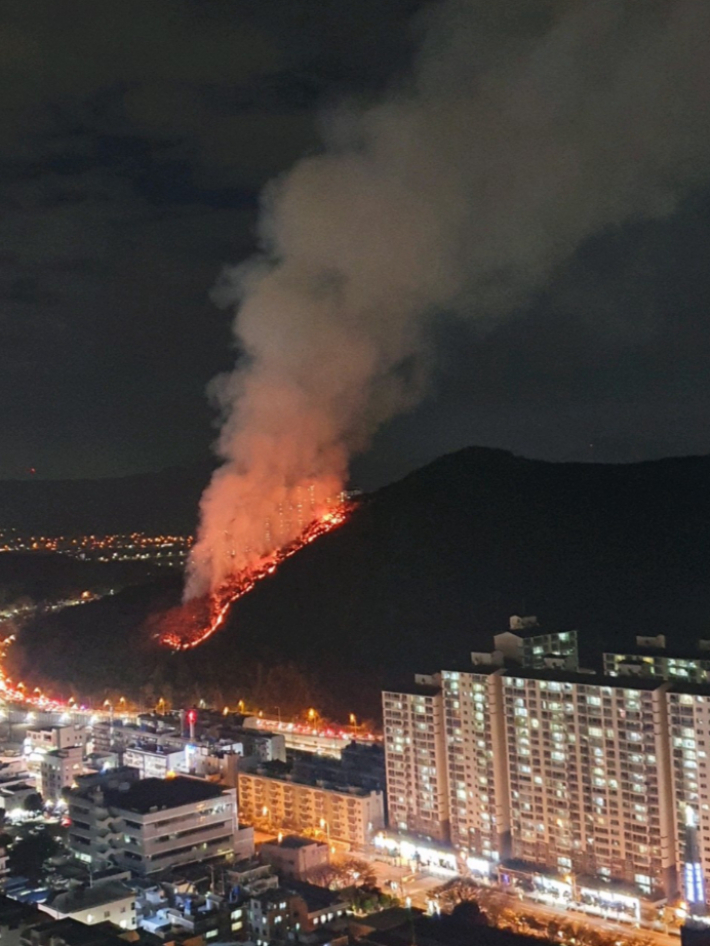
column 195, row 622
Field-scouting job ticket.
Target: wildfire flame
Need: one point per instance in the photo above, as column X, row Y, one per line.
column 198, row 620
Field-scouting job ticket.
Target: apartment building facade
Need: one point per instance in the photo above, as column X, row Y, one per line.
column 416, row 763
column 650, row 658
column 350, row 815
column 583, row 775
column 689, row 723
column 474, row 725
column 589, row 776
column 527, row 644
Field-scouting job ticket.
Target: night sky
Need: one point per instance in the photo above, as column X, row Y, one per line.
column 136, row 138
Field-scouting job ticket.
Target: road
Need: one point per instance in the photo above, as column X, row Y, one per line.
column 421, row 886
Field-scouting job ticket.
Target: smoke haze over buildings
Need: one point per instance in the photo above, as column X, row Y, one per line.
column 527, row 127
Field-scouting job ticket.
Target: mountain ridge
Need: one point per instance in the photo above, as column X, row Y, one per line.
column 424, row 571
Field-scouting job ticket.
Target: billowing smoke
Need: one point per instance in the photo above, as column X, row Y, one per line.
column 528, row 126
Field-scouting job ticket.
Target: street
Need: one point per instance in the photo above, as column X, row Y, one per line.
column 419, row 888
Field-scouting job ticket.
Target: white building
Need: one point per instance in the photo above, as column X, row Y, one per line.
column 110, row 901
column 55, row 737
column 58, row 769
column 415, row 757
column 38, row 742
column 154, row 762
column 150, row 824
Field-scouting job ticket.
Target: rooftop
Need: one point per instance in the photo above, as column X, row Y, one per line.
column 155, row 794
column 274, row 771
column 476, row 670
column 316, row 898
column 414, row 689
column 693, row 689
column 74, row 933
column 534, row 630
column 81, row 898
column 635, row 652
column 13, row 912
column 586, row 679
column 293, row 842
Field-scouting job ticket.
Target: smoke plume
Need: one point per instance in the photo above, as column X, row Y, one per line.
column 527, row 127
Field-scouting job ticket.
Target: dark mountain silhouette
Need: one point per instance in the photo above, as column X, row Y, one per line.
column 147, row 502
column 426, row 570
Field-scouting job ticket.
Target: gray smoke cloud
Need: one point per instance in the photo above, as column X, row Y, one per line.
column 526, row 128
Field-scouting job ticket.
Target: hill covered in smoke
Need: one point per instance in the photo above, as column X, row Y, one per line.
column 426, row 570
column 524, row 129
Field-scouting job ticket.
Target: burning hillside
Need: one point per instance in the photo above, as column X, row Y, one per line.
column 191, row 624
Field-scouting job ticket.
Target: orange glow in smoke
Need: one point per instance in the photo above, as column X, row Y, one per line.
column 198, row 620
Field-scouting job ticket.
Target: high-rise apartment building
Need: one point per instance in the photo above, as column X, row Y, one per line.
column 651, row 659
column 479, row 809
column 589, row 776
column 581, row 775
column 417, row 772
column 527, row 644
column 689, row 722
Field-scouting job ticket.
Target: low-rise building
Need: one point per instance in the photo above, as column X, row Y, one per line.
column 187, row 918
column 295, row 857
column 55, row 737
column 351, row 815
column 110, row 901
column 150, row 825
column 14, row 795
column 268, row 916
column 58, row 769
column 68, row 932
column 251, row 876
column 313, row 907
column 154, row 761
column 16, row 919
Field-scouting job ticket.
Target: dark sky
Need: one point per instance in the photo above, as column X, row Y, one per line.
column 136, row 136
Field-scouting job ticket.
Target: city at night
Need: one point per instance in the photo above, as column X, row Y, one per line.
column 355, row 473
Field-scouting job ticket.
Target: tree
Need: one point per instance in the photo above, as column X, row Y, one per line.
column 28, row 856
column 349, row 872
column 468, row 913
column 32, row 802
